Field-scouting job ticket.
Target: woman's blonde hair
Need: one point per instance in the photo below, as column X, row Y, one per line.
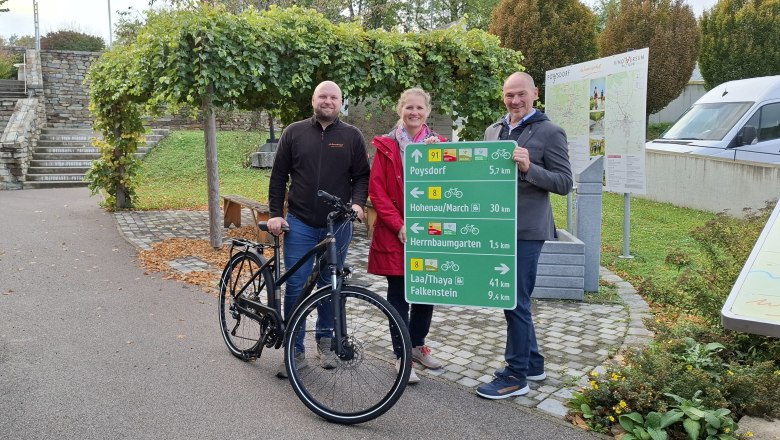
column 399, row 108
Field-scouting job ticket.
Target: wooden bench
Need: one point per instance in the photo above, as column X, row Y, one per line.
column 231, row 208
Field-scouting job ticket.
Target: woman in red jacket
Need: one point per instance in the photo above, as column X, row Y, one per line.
column 386, row 190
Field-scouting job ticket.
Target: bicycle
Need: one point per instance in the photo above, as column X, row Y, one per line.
column 359, row 382
column 501, row 154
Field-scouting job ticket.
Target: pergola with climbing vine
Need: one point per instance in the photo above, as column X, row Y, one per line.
column 272, row 60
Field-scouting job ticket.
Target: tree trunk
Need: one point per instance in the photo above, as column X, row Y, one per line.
column 122, row 197
column 210, row 133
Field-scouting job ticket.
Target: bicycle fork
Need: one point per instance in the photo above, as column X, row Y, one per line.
column 343, row 347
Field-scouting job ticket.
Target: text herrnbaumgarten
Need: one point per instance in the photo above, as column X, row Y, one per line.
column 454, row 244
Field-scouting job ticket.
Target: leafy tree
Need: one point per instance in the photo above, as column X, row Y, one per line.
column 433, row 14
column 3, row 9
column 740, row 39
column 549, row 33
column 72, row 40
column 668, row 28
column 602, row 8
column 27, row 41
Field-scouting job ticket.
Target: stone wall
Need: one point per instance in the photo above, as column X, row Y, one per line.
column 67, row 97
column 17, row 142
column 7, row 106
column 226, row 121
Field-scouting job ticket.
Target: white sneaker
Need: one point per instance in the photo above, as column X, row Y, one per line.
column 413, row 378
column 422, row 355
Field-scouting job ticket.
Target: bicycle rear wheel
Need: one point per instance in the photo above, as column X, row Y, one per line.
column 367, row 379
column 240, row 278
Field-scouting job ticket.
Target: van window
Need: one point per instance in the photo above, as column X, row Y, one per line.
column 769, row 126
column 709, row 121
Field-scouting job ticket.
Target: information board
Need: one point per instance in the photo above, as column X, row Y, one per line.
column 601, row 105
column 460, row 206
column 753, row 306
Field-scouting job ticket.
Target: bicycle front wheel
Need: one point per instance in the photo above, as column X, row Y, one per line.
column 242, row 278
column 373, row 368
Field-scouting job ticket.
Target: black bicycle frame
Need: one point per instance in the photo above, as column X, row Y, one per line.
column 329, row 248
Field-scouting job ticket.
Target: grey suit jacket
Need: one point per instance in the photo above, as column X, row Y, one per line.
column 550, row 171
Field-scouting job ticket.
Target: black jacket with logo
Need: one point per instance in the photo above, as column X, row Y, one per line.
column 334, row 160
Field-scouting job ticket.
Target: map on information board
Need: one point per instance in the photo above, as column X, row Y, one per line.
column 753, row 306
column 601, row 105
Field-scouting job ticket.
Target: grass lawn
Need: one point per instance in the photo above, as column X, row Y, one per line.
column 656, row 230
column 173, row 176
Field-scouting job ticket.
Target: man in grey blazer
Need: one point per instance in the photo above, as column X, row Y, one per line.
column 542, row 159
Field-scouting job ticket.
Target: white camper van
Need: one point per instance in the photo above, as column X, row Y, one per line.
column 737, row 120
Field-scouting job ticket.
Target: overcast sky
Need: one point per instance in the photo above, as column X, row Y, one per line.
column 91, row 16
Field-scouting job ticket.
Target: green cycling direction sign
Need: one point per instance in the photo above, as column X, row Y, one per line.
column 460, row 201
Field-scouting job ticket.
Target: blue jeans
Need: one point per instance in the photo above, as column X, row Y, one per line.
column 522, row 352
column 297, row 241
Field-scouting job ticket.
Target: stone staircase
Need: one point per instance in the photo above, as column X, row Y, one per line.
column 64, row 155
column 10, row 91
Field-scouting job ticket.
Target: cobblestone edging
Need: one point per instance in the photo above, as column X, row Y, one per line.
column 576, row 338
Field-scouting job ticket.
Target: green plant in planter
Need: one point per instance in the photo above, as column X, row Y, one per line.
column 700, row 422
column 651, row 427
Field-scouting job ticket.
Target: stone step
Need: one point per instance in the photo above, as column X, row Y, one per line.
column 11, row 83
column 12, row 95
column 56, row 177
column 40, row 171
column 72, row 156
column 42, row 184
column 46, row 137
column 60, row 163
column 86, row 131
column 46, row 143
column 78, row 150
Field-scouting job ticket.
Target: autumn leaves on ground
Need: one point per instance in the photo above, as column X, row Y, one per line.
column 157, row 258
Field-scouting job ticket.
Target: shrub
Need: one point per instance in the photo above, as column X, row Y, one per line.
column 641, row 385
column 72, row 40
column 753, row 390
column 7, row 61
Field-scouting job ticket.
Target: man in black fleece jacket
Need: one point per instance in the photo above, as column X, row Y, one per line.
column 320, row 153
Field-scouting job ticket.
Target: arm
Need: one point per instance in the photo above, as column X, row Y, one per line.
column 554, row 173
column 380, row 194
column 277, row 186
column 360, row 175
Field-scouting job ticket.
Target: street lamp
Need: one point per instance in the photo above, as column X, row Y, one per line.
column 110, row 31
column 37, row 32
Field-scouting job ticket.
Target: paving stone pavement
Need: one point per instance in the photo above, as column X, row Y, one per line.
column 576, row 338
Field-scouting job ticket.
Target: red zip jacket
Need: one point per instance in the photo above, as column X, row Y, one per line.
column 386, row 190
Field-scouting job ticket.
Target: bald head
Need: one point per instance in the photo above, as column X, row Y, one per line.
column 519, row 94
column 326, row 102
column 520, row 77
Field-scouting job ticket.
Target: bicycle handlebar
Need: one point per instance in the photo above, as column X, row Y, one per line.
column 341, row 207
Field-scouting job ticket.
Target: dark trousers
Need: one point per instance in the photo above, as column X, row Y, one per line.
column 522, row 352
column 418, row 320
